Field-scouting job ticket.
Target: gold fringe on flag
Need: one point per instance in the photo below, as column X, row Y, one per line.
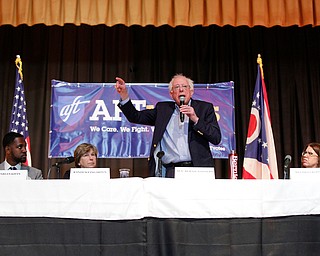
column 19, row 66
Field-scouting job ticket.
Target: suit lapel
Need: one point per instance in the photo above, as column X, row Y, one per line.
column 190, row 129
column 163, row 116
column 166, row 114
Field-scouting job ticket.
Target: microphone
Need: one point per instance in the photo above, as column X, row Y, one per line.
column 68, row 160
column 181, row 103
column 160, row 154
column 287, row 161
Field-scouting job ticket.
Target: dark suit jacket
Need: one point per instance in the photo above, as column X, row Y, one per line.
column 33, row 173
column 199, row 135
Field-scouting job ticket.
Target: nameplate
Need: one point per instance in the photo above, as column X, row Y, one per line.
column 194, row 173
column 305, row 173
column 13, row 174
column 90, row 174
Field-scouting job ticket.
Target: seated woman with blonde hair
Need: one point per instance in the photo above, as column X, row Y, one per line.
column 85, row 156
column 310, row 155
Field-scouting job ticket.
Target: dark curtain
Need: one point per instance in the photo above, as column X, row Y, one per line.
column 148, row 54
column 277, row 236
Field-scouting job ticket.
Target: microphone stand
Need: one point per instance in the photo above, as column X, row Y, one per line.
column 58, row 170
column 160, row 154
column 48, row 175
column 286, row 173
column 57, row 165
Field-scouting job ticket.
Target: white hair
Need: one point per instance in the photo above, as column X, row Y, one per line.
column 190, row 82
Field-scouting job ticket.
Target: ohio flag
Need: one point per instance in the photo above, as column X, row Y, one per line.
column 19, row 121
column 260, row 160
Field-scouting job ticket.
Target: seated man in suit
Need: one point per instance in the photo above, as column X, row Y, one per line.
column 14, row 146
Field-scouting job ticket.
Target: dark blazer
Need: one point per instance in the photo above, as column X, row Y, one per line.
column 199, row 135
column 33, row 173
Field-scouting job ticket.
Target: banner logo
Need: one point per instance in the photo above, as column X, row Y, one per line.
column 75, row 109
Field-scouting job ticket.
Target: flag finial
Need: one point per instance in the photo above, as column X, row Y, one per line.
column 259, row 61
column 19, row 66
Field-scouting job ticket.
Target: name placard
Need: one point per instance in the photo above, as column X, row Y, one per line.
column 90, row 174
column 194, row 173
column 13, row 174
column 305, row 173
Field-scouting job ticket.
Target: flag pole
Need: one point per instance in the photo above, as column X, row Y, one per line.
column 19, row 121
column 260, row 160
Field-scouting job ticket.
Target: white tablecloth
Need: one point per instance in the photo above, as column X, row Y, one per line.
column 136, row 198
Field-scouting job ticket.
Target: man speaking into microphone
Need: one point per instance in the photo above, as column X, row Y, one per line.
column 183, row 127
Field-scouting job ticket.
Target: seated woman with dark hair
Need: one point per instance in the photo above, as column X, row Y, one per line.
column 310, row 155
column 85, row 156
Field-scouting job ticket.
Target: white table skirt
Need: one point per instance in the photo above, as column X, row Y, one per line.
column 136, row 198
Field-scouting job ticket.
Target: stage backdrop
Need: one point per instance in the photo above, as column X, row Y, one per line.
column 88, row 112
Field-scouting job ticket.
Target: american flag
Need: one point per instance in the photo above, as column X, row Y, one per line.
column 19, row 121
column 260, row 159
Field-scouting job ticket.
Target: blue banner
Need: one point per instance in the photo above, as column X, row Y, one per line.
column 88, row 112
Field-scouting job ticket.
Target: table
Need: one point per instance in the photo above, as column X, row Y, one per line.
column 155, row 216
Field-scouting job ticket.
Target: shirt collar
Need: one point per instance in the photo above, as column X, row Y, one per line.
column 7, row 165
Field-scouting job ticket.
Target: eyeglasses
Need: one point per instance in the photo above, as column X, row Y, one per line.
column 178, row 86
column 308, row 153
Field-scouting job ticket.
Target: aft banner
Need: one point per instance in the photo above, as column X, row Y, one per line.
column 88, row 112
